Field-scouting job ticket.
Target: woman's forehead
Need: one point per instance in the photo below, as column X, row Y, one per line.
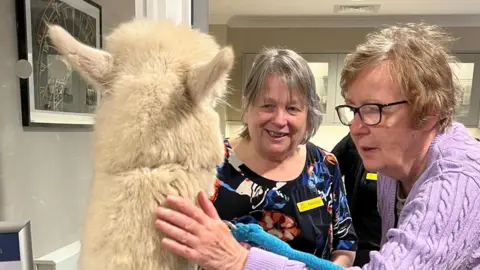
column 373, row 84
column 285, row 94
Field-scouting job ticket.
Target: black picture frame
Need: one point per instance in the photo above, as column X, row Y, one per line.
column 16, row 252
column 47, row 100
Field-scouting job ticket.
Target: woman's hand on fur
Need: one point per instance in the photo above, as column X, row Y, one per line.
column 199, row 235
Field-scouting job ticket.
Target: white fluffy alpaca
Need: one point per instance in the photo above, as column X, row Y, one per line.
column 156, row 133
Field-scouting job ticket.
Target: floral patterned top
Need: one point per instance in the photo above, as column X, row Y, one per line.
column 310, row 212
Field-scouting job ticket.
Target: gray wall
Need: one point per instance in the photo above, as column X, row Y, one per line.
column 45, row 173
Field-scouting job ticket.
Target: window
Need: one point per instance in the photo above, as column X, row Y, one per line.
column 468, row 74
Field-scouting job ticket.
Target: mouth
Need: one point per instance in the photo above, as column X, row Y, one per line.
column 367, row 149
column 276, row 135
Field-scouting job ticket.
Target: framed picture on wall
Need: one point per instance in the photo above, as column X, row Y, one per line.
column 52, row 91
column 15, row 246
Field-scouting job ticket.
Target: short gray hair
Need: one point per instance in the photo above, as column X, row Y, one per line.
column 296, row 73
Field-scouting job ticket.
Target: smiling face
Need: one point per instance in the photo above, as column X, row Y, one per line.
column 277, row 119
column 393, row 146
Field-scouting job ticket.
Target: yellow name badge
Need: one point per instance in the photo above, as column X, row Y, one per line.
column 310, row 204
column 371, row 176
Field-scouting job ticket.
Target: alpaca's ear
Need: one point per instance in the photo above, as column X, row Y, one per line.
column 94, row 64
column 202, row 78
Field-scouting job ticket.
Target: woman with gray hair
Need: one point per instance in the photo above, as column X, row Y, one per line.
column 271, row 172
column 400, row 104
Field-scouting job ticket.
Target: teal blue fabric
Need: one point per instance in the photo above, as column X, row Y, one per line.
column 254, row 233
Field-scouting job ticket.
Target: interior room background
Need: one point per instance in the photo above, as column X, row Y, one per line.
column 45, row 173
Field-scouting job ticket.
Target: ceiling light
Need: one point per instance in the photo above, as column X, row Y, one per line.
column 356, row 9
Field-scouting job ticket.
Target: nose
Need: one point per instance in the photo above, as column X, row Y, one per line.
column 358, row 127
column 279, row 117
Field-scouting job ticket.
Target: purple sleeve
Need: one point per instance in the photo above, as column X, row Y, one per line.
column 259, row 259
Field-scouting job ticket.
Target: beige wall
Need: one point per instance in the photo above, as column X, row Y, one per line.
column 309, row 40
column 219, row 31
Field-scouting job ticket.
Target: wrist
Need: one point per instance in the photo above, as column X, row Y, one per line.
column 240, row 261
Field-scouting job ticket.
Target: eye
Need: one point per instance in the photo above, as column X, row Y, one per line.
column 268, row 106
column 369, row 109
column 293, row 109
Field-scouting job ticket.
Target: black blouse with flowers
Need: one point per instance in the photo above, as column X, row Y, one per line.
column 310, row 212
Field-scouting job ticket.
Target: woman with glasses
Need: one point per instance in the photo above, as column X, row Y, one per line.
column 400, row 100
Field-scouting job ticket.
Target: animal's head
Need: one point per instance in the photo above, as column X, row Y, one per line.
column 159, row 82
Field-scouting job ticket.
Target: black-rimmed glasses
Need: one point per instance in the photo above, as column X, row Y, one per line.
column 370, row 113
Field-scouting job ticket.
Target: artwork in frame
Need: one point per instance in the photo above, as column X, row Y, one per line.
column 52, row 91
column 16, row 246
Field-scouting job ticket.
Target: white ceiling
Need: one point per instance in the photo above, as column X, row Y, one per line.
column 222, row 10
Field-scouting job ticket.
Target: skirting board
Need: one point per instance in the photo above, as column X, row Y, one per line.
column 65, row 258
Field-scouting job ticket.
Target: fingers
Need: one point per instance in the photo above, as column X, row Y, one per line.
column 187, row 208
column 207, row 205
column 181, row 250
column 177, row 234
column 177, row 219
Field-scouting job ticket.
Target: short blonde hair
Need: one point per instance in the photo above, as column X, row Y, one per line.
column 296, row 73
column 418, row 58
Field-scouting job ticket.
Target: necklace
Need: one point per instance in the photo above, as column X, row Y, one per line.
column 400, row 199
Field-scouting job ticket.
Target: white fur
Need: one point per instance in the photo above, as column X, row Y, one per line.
column 156, row 133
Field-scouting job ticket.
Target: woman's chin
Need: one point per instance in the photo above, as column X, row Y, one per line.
column 275, row 149
column 371, row 165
